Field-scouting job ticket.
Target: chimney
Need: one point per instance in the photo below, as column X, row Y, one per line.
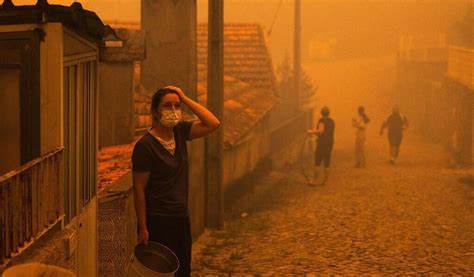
column 171, row 46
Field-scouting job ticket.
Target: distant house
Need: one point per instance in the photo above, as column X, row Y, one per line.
column 247, row 58
column 435, row 87
column 420, row 62
column 246, row 131
column 49, row 57
column 460, row 85
column 249, row 96
column 246, row 55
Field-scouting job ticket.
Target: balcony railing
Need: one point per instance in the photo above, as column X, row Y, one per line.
column 31, row 202
column 423, row 49
column 461, row 64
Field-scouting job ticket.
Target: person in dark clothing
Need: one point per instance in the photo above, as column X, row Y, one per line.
column 396, row 123
column 160, row 173
column 325, row 132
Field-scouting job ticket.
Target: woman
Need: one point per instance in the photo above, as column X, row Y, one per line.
column 325, row 132
column 360, row 124
column 160, row 173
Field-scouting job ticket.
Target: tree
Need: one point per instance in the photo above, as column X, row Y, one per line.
column 285, row 80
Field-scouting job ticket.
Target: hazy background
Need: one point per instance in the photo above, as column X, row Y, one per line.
column 348, row 46
column 330, row 28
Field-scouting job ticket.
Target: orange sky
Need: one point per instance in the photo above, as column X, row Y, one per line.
column 341, row 28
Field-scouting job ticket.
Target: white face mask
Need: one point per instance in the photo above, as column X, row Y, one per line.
column 170, row 118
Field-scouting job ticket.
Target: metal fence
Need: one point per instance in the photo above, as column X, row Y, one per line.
column 461, row 64
column 423, row 49
column 289, row 131
column 31, row 202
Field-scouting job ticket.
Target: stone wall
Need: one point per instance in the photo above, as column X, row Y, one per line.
column 241, row 159
column 117, row 227
column 115, row 103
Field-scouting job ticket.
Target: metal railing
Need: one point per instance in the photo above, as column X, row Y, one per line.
column 31, row 202
column 422, row 49
column 461, row 64
column 289, row 131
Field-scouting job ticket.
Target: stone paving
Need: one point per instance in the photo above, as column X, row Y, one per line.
column 411, row 218
column 114, row 162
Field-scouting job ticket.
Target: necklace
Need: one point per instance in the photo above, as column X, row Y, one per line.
column 169, row 145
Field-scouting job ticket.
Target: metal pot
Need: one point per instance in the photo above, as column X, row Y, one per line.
column 153, row 259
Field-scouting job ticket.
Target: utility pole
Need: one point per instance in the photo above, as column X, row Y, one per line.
column 215, row 103
column 297, row 54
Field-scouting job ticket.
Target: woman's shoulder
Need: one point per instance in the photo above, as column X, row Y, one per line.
column 328, row 120
column 144, row 141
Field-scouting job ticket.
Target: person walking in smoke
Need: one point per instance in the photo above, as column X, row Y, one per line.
column 325, row 132
column 160, row 173
column 396, row 123
column 360, row 124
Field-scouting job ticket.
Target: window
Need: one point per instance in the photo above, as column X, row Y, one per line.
column 80, row 135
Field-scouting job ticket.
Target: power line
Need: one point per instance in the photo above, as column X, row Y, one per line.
column 274, row 19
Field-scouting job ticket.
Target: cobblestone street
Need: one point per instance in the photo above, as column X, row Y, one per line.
column 414, row 217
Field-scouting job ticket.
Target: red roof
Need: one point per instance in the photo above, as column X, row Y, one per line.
column 246, row 56
column 244, row 106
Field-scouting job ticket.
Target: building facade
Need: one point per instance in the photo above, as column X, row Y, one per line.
column 435, row 91
column 49, row 57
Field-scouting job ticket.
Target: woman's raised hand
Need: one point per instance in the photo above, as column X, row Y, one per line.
column 178, row 90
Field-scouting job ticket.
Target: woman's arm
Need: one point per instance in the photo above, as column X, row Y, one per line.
column 405, row 123
column 321, row 128
column 140, row 179
column 207, row 121
column 318, row 131
column 384, row 125
column 355, row 123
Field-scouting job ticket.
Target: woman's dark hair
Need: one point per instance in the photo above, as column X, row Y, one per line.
column 361, row 110
column 325, row 111
column 156, row 101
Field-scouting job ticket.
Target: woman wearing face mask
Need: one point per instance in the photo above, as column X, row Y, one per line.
column 160, row 173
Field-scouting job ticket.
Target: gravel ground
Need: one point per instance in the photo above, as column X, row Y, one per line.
column 411, row 218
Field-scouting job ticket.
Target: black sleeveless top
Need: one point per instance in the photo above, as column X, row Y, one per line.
column 327, row 138
column 395, row 124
